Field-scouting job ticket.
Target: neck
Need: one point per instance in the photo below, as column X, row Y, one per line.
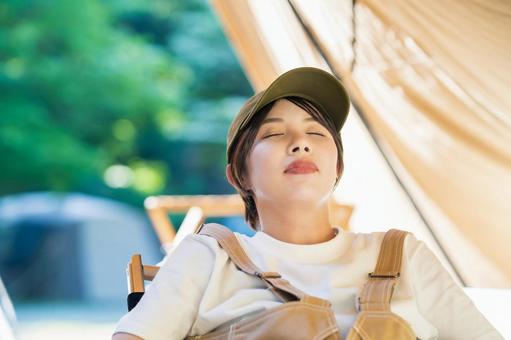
column 296, row 223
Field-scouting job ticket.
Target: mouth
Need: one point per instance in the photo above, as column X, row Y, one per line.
column 300, row 171
column 301, row 167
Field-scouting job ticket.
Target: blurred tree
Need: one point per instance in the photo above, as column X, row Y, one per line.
column 115, row 98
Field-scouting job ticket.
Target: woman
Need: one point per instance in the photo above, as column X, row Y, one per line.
column 284, row 157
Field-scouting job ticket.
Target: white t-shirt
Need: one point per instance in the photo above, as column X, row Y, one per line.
column 198, row 287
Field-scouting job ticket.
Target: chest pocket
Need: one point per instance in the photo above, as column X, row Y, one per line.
column 302, row 316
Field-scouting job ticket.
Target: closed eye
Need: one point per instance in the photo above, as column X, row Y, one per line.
column 310, row 133
column 274, row 134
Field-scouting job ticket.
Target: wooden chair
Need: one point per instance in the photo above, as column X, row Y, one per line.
column 197, row 209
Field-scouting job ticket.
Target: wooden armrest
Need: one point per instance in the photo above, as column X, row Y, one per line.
column 137, row 273
column 150, row 272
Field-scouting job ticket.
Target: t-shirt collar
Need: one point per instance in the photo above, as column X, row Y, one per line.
column 304, row 253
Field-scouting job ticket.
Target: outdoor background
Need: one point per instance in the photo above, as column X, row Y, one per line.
column 102, row 103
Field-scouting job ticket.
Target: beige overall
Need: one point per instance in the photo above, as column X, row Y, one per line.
column 303, row 316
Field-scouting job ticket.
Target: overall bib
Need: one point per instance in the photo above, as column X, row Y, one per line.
column 302, row 316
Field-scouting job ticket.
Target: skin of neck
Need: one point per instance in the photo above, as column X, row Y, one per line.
column 295, row 222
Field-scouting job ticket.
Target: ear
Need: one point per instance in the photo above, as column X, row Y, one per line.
column 230, row 178
column 228, row 174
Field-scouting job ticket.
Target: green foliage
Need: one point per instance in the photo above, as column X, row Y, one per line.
column 115, row 98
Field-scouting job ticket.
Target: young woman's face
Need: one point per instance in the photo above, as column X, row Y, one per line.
column 289, row 133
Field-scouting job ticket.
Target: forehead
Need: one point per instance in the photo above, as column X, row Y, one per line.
column 284, row 110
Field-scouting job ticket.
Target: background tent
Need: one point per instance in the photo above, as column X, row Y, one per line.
column 70, row 247
column 427, row 143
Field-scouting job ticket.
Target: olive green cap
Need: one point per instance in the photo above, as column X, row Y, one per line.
column 314, row 84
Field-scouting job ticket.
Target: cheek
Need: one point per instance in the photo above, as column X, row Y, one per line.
column 263, row 161
column 330, row 158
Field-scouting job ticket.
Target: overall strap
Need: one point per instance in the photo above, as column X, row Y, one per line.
column 377, row 291
column 279, row 286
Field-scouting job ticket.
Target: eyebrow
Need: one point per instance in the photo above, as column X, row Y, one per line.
column 280, row 120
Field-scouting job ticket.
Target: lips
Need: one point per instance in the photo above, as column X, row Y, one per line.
column 301, row 167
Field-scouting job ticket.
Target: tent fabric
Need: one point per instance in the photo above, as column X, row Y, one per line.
column 379, row 200
column 428, row 80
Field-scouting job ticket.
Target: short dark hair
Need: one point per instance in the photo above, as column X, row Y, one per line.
column 246, row 138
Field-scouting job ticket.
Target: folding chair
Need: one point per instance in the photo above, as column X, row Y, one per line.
column 197, row 208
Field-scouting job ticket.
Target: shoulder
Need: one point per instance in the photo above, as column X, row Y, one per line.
column 193, row 250
column 374, row 239
column 201, row 244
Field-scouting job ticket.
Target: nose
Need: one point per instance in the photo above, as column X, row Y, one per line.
column 300, row 145
column 297, row 148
